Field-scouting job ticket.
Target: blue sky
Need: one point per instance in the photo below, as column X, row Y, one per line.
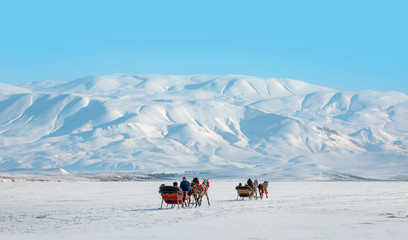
column 345, row 45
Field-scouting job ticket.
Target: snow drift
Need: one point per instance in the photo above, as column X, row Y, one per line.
column 155, row 123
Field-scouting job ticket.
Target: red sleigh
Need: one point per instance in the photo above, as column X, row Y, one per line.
column 171, row 195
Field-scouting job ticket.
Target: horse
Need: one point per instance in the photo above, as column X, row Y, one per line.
column 263, row 188
column 203, row 188
column 256, row 188
column 193, row 194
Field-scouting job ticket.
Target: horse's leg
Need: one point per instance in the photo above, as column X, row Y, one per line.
column 197, row 199
column 161, row 206
column 200, row 200
column 208, row 199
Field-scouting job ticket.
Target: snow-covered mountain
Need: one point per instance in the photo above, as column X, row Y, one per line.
column 221, row 123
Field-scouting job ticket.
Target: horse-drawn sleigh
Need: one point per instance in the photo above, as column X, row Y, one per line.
column 173, row 195
column 251, row 192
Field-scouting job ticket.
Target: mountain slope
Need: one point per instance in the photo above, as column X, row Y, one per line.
column 221, row 123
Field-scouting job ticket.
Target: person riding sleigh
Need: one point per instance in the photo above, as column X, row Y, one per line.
column 185, row 186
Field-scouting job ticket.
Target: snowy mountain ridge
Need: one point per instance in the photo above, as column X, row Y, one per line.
column 225, row 123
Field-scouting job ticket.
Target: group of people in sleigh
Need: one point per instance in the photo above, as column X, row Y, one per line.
column 193, row 192
column 190, row 193
column 252, row 189
column 189, row 188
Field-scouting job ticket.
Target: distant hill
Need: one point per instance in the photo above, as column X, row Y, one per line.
column 226, row 123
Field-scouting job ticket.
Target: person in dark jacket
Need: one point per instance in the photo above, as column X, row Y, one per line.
column 185, row 186
column 250, row 183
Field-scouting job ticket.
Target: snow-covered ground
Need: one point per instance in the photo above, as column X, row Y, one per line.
column 130, row 210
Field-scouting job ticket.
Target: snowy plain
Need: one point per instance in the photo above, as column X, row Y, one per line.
column 130, row 210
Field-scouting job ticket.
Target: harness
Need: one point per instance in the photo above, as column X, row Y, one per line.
column 202, row 188
column 264, row 188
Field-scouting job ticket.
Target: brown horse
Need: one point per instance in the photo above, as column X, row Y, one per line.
column 263, row 188
column 203, row 188
column 194, row 194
